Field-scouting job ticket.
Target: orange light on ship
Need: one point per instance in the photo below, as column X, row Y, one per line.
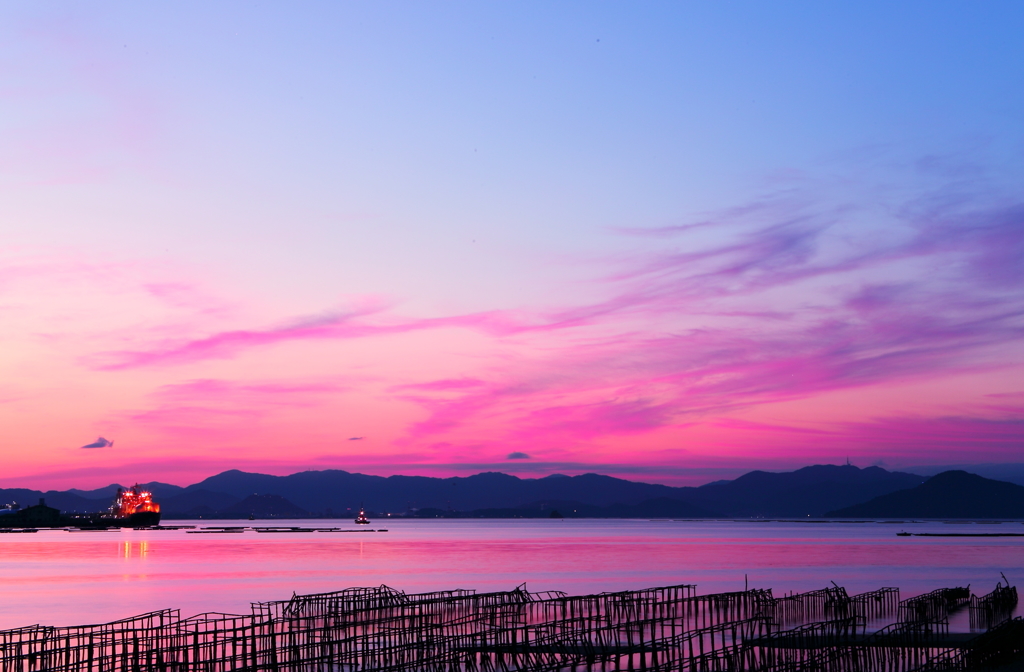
column 134, row 500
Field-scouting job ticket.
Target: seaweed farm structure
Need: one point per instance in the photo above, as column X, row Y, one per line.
column 659, row 629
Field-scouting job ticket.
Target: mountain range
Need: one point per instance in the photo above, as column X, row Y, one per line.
column 951, row 494
column 813, row 491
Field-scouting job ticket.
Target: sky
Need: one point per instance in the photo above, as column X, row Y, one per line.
column 670, row 242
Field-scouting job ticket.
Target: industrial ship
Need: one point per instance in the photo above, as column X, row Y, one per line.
column 133, row 507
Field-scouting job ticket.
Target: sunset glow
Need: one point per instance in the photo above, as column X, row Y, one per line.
column 430, row 243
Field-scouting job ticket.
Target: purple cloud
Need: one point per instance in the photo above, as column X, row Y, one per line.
column 774, row 302
column 207, row 388
column 878, row 309
column 99, row 443
column 227, row 344
column 446, row 384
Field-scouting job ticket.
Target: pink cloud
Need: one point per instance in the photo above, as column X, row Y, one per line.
column 634, row 383
column 227, row 344
column 194, row 420
column 764, row 427
column 949, row 310
column 684, row 343
column 232, row 410
column 436, row 385
column 223, row 344
column 211, row 388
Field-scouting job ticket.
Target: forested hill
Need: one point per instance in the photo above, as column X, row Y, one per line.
column 951, row 494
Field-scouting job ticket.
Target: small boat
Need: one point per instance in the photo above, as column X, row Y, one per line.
column 361, row 519
column 903, row 534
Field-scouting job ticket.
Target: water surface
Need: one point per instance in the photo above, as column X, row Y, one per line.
column 56, row 577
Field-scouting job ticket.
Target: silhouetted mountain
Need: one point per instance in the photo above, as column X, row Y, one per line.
column 99, row 493
column 83, row 501
column 195, row 503
column 65, row 501
column 160, row 491
column 1010, row 472
column 340, row 491
column 810, row 491
column 263, row 506
column 951, row 494
column 662, row 507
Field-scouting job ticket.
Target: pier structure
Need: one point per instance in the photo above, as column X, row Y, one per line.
column 993, row 608
column 656, row 630
column 934, row 606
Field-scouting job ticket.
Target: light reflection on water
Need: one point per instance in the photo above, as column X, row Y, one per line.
column 55, row 577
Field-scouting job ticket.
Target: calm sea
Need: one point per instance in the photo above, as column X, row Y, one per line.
column 65, row 578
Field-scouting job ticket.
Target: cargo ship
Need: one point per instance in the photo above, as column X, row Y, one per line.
column 133, row 507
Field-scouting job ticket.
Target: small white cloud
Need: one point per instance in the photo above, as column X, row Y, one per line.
column 356, row 438
column 99, row 443
column 517, row 456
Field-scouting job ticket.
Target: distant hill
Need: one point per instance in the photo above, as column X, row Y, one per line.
column 195, row 503
column 159, row 490
column 662, row 507
column 951, row 494
column 341, row 491
column 263, row 506
column 65, row 501
column 1011, row 472
column 810, row 491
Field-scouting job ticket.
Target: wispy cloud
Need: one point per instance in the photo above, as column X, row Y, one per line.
column 216, row 407
column 226, row 343
column 267, row 391
column 446, row 384
column 924, row 302
column 778, row 302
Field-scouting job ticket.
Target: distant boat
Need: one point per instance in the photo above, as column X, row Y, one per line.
column 361, row 519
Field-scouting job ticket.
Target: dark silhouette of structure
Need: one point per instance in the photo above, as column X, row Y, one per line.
column 39, row 515
column 660, row 629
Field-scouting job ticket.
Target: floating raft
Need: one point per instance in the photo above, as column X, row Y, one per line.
column 961, row 534
column 269, row 530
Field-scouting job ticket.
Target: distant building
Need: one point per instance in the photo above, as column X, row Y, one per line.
column 39, row 515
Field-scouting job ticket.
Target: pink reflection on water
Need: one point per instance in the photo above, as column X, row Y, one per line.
column 62, row 578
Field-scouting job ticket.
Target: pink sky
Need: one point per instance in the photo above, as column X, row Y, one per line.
column 454, row 243
column 778, row 345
